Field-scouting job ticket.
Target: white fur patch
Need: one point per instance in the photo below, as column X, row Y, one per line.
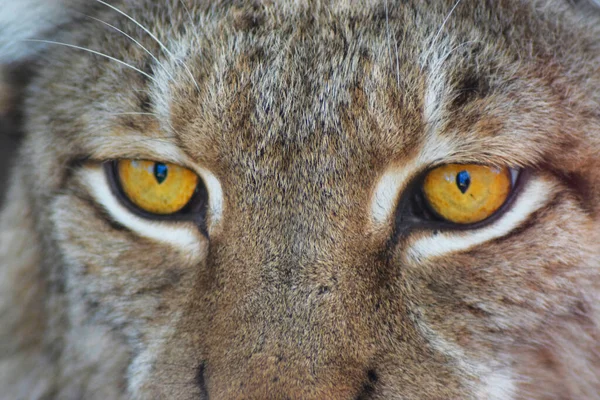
column 497, row 385
column 394, row 181
column 436, row 147
column 491, row 380
column 387, row 191
column 433, row 96
column 215, row 196
column 141, row 368
column 535, row 195
column 433, row 61
column 182, row 235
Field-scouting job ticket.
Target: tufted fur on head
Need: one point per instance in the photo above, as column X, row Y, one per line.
column 310, row 123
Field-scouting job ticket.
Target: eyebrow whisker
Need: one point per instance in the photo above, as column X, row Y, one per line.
column 446, row 20
column 187, row 10
column 134, row 41
column 438, row 33
column 165, row 49
column 93, row 52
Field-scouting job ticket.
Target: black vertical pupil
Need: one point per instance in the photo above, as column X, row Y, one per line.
column 463, row 180
column 160, row 172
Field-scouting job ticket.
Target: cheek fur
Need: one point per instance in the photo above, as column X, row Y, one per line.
column 128, row 277
column 184, row 237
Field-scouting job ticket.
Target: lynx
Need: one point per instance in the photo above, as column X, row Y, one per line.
column 303, row 200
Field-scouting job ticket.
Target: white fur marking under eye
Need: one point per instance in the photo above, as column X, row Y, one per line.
column 183, row 236
column 535, row 195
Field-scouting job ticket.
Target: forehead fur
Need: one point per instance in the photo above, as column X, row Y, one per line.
column 379, row 80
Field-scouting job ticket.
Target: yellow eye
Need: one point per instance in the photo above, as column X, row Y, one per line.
column 467, row 193
column 158, row 188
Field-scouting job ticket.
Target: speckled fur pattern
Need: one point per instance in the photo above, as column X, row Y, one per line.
column 294, row 291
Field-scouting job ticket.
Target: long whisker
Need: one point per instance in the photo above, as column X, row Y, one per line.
column 134, row 41
column 439, row 32
column 387, row 29
column 397, row 61
column 138, row 24
column 165, row 49
column 187, row 10
column 446, row 20
column 93, row 52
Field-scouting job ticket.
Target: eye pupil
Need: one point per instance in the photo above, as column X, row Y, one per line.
column 463, row 181
column 160, row 172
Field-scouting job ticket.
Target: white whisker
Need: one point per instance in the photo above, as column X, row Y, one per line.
column 140, row 25
column 397, row 61
column 134, row 41
column 189, row 73
column 165, row 49
column 446, row 20
column 187, row 10
column 439, row 32
column 93, row 52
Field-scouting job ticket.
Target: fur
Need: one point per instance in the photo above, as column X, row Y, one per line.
column 308, row 120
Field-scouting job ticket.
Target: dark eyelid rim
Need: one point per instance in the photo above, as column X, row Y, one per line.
column 408, row 219
column 195, row 210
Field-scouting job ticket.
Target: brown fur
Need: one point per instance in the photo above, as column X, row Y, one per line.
column 299, row 109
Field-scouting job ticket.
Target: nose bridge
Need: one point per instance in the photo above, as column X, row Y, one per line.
column 280, row 321
column 296, row 244
column 283, row 311
column 292, row 223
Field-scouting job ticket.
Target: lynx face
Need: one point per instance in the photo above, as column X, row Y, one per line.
column 257, row 200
